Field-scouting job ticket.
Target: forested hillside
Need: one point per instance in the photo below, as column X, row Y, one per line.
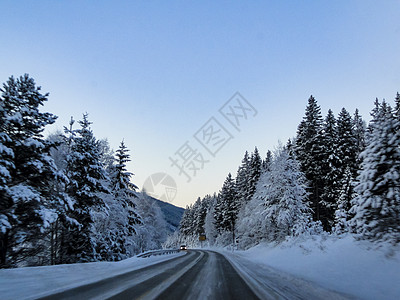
column 338, row 175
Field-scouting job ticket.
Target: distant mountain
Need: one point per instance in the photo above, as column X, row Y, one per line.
column 172, row 214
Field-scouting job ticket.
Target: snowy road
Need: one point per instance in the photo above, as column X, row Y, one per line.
column 196, row 275
column 200, row 274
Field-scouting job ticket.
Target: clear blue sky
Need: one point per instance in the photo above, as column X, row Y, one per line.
column 153, row 72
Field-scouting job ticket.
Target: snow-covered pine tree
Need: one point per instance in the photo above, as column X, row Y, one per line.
column 287, row 210
column 6, row 165
column 252, row 226
column 343, row 203
column 254, row 173
column 28, row 201
column 242, row 179
column 247, row 177
column 117, row 229
column 375, row 116
column 56, row 231
column 376, row 209
column 250, row 223
column 226, row 207
column 330, row 171
column 267, row 161
column 397, row 106
column 289, row 147
column 348, row 151
column 200, row 212
column 309, row 153
column 186, row 225
column 209, row 223
column 347, row 143
column 196, row 211
column 86, row 175
column 107, row 156
column 359, row 133
column 123, row 190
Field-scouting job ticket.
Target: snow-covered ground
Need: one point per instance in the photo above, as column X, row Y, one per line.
column 344, row 265
column 30, row 283
column 315, row 265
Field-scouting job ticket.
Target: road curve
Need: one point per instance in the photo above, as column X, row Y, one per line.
column 197, row 275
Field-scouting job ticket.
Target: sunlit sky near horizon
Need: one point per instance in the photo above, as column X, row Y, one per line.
column 154, row 72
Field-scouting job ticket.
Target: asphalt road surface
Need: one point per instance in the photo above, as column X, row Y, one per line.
column 196, row 275
column 200, row 274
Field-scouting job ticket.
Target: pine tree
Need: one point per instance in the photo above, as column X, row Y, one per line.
column 267, row 161
column 209, row 223
column 200, row 212
column 254, row 173
column 331, row 171
column 186, row 225
column 286, row 208
column 375, row 116
column 397, row 106
column 289, row 148
column 86, row 175
column 28, row 202
column 347, row 143
column 119, row 235
column 309, row 153
column 377, row 207
column 343, row 204
column 242, row 179
column 123, row 189
column 247, row 177
column 107, row 156
column 252, row 225
column 359, row 133
column 226, row 208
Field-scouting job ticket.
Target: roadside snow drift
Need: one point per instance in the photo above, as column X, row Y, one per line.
column 33, row 282
column 340, row 264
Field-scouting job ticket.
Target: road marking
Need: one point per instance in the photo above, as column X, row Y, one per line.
column 155, row 292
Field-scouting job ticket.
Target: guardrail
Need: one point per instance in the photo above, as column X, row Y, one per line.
column 158, row 252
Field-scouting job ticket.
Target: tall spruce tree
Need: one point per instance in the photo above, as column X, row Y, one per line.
column 286, row 208
column 122, row 209
column 348, row 152
column 227, row 206
column 359, row 133
column 242, row 179
column 376, row 209
column 267, row 161
column 28, row 201
column 209, row 223
column 86, row 175
column 186, row 225
column 344, row 199
column 200, row 212
column 247, row 177
column 347, row 142
column 331, row 171
column 397, row 106
column 309, row 152
column 254, row 173
column 123, row 189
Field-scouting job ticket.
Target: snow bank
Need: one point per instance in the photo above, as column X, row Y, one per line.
column 341, row 264
column 30, row 283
